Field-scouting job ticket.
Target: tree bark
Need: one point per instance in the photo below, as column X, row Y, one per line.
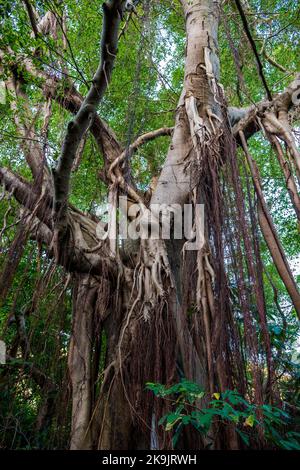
column 150, row 293
column 79, row 361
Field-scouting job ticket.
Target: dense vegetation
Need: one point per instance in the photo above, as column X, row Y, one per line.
column 80, row 344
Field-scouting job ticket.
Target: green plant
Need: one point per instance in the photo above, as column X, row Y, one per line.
column 191, row 405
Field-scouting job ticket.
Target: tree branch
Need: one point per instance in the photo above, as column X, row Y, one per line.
column 273, row 62
column 22, row 190
column 270, row 233
column 75, row 259
column 38, row 376
column 32, row 17
column 72, row 100
column 25, row 128
column 253, row 46
column 66, row 95
column 112, row 14
column 143, row 139
column 245, row 119
column 26, row 195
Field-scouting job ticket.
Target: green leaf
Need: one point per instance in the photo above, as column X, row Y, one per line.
column 244, row 437
column 172, row 419
column 177, row 434
column 250, row 421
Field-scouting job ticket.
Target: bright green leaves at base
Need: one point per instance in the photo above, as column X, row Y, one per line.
column 191, row 405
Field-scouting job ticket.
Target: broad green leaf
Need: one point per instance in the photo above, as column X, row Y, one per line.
column 249, row 421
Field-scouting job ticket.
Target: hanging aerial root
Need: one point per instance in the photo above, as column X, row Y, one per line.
column 8, row 211
column 150, row 283
column 203, row 129
column 151, row 279
column 270, row 233
column 205, row 305
column 281, row 128
column 288, row 175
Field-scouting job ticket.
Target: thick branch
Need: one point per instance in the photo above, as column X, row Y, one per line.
column 72, row 100
column 84, row 118
column 245, row 119
column 65, row 94
column 22, row 190
column 75, row 256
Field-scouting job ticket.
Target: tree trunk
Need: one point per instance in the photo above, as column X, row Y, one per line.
column 131, row 321
column 79, row 360
column 115, row 419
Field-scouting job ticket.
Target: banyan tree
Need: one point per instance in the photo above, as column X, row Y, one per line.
column 173, row 103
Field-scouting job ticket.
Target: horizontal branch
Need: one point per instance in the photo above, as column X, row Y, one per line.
column 143, row 139
column 21, row 189
column 39, row 216
column 245, row 119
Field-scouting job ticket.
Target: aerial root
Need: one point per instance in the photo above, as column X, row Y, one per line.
column 205, row 130
column 281, row 128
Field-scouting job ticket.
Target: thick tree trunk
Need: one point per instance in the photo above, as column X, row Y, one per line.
column 198, row 121
column 197, row 102
column 80, row 360
column 137, row 316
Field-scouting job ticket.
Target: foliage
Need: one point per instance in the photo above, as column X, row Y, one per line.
column 142, row 96
column 191, row 405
